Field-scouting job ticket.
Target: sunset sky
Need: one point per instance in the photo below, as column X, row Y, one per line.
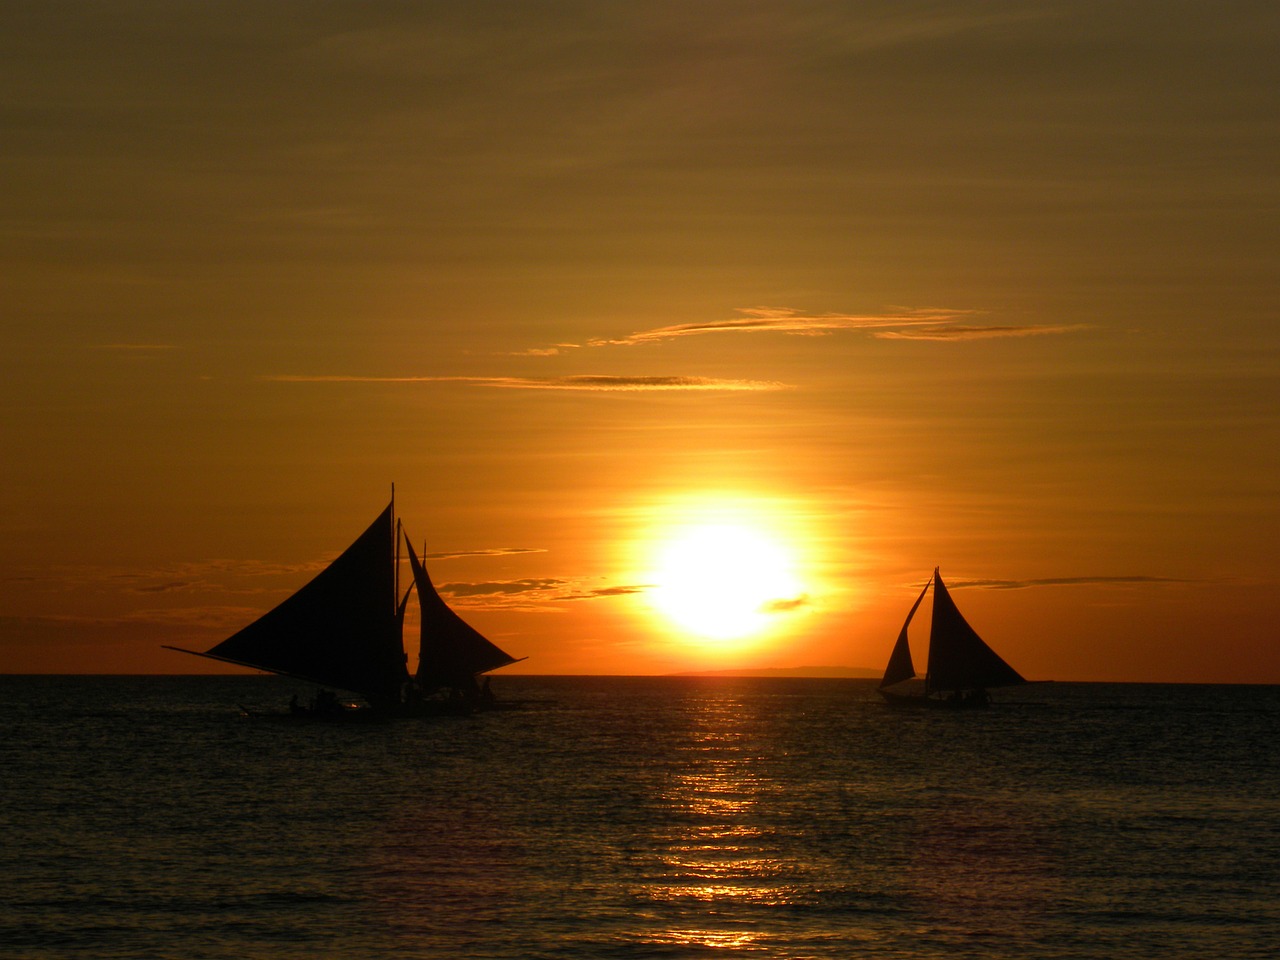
column 628, row 298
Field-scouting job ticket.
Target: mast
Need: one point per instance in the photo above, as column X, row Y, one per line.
column 395, row 584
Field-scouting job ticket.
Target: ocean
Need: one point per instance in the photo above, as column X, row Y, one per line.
column 144, row 817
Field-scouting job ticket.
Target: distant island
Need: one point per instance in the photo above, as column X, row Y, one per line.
column 859, row 672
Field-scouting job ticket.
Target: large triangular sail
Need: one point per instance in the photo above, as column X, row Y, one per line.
column 959, row 659
column 340, row 630
column 451, row 652
column 900, row 666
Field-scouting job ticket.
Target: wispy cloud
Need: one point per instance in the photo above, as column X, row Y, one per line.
column 788, row 321
column 552, row 351
column 977, row 333
column 169, row 586
column 583, row 382
column 601, row 592
column 787, row 604
column 534, row 585
column 594, row 382
column 493, row 552
column 929, row 323
column 533, row 592
column 1068, row 582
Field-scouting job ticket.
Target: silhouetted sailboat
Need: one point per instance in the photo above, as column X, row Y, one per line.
column 451, row 653
column 961, row 667
column 344, row 630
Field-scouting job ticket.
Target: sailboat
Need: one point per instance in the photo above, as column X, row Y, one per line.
column 451, row 653
column 961, row 667
column 344, row 630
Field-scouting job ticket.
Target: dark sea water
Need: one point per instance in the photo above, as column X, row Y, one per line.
column 632, row 817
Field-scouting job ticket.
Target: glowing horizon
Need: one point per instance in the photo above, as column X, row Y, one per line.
column 985, row 287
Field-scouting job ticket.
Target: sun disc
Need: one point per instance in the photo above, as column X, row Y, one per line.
column 722, row 580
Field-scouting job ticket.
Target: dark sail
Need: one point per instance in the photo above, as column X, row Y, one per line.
column 959, row 659
column 341, row 630
column 900, row 666
column 452, row 652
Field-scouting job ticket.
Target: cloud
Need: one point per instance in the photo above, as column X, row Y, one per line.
column 788, row 321
column 977, row 333
column 538, row 593
column 786, row 605
column 502, row 587
column 167, row 587
column 584, row 382
column 554, row 350
column 610, row 383
column 608, row 592
column 931, row 323
column 494, row 552
column 1068, row 582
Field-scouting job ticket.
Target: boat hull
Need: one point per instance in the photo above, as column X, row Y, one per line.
column 920, row 701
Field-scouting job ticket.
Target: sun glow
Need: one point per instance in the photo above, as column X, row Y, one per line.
column 724, row 579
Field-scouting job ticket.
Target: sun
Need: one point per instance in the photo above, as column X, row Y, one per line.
column 723, row 580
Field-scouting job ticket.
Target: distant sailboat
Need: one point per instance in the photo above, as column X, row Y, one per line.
column 961, row 667
column 344, row 630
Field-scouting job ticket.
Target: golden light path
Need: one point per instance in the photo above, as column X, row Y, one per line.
column 723, row 570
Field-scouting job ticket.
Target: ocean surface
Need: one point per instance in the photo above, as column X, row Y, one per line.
column 639, row 817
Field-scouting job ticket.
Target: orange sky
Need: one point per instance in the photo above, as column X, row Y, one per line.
column 985, row 286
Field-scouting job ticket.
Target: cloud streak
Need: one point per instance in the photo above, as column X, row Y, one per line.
column 169, row 586
column 532, row 592
column 529, row 585
column 940, row 324
column 492, row 552
column 953, row 333
column 787, row 604
column 602, row 592
column 1070, row 582
column 582, row 382
column 788, row 321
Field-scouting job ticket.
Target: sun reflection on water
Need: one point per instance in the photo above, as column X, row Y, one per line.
column 714, row 836
column 706, row 939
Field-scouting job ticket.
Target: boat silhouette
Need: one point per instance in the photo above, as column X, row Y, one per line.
column 961, row 667
column 344, row 630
